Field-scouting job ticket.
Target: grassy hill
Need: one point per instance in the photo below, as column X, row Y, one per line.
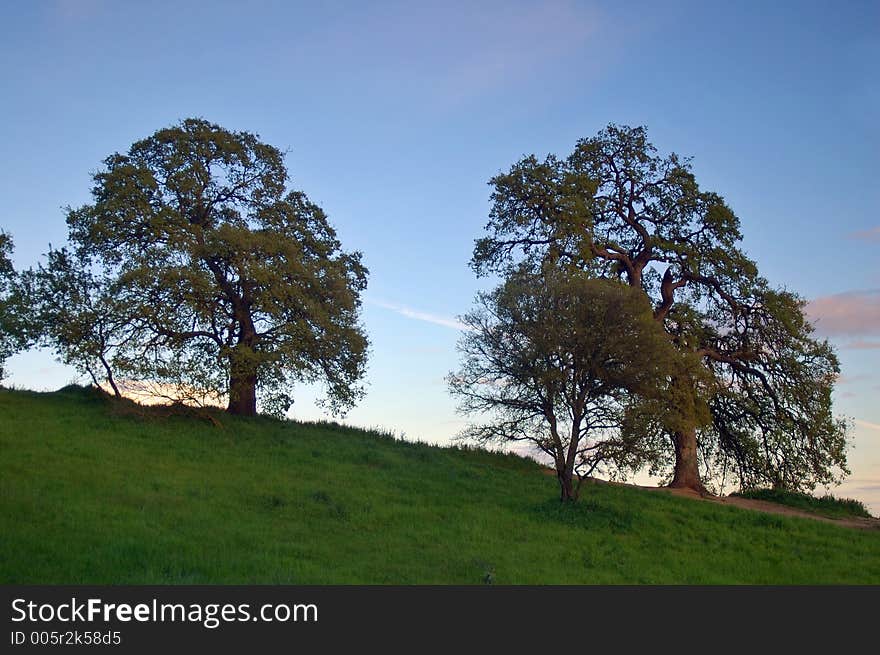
column 90, row 493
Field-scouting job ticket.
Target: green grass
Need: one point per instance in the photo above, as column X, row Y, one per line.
column 89, row 495
column 826, row 505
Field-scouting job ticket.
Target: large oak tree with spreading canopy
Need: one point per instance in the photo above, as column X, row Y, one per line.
column 221, row 279
column 615, row 208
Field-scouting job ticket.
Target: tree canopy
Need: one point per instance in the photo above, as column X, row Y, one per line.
column 76, row 314
column 555, row 361
column 13, row 309
column 617, row 209
column 218, row 278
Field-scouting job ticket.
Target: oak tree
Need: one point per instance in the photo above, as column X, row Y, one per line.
column 224, row 280
column 617, row 209
column 555, row 360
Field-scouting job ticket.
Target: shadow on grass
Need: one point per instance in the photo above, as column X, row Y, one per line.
column 337, row 510
column 586, row 513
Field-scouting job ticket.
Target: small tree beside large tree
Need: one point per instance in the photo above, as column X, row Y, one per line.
column 555, row 360
column 217, row 277
column 75, row 313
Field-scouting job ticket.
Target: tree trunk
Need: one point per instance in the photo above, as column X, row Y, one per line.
column 567, row 491
column 687, row 471
column 110, row 379
column 243, row 368
column 243, row 395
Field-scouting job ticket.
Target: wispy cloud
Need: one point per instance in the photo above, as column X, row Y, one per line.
column 863, row 345
column 871, row 235
column 867, row 424
column 516, row 43
column 854, row 313
column 851, row 379
column 77, row 9
column 449, row 54
column 418, row 315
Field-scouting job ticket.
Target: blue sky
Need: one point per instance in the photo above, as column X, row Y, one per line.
column 396, row 114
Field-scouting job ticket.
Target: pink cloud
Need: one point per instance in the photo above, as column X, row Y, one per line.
column 861, row 344
column 871, row 234
column 855, row 313
column 851, row 379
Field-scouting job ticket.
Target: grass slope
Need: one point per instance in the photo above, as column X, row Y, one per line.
column 828, row 505
column 91, row 496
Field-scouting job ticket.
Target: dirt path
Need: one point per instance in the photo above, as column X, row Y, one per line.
column 752, row 504
column 773, row 508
